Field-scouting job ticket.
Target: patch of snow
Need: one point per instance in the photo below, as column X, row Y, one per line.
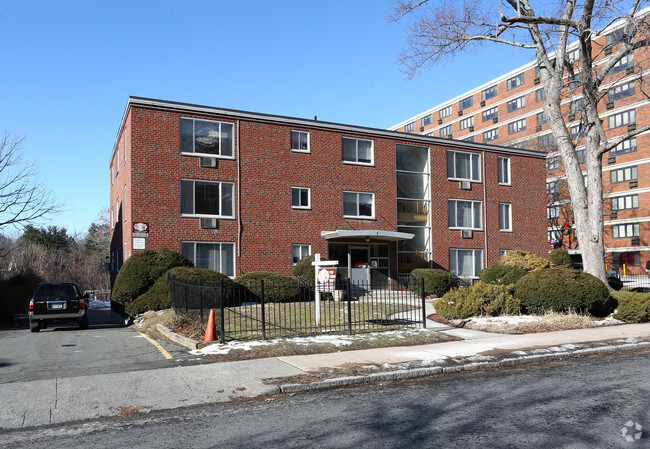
column 506, row 319
column 607, row 321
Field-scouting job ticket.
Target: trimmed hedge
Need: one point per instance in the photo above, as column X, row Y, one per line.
column 559, row 258
column 562, row 290
column 632, row 307
column 277, row 288
column 501, row 274
column 479, row 299
column 436, row 282
column 524, row 260
column 142, row 270
column 304, row 271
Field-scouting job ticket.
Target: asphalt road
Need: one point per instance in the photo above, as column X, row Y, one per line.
column 66, row 351
column 583, row 403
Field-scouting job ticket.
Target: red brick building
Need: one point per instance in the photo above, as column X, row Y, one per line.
column 238, row 191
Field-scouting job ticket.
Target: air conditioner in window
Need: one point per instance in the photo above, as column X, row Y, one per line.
column 209, row 162
column 536, row 80
column 495, row 119
column 631, row 127
column 613, row 215
column 572, row 116
column 538, row 127
column 608, row 50
column 209, row 223
column 460, row 112
column 439, row 121
column 449, row 136
column 465, row 185
column 634, row 184
column 635, row 241
column 611, row 160
column 629, row 70
column 610, row 105
column 482, row 103
column 421, row 128
column 471, row 129
column 466, row 234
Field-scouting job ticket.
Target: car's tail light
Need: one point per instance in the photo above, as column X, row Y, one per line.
column 81, row 304
column 31, row 304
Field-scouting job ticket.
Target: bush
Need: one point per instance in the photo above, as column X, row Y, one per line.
column 142, row 270
column 559, row 258
column 158, row 297
column 479, row 299
column 562, row 290
column 277, row 288
column 524, row 260
column 501, row 274
column 633, row 307
column 304, row 271
column 436, row 282
column 615, row 283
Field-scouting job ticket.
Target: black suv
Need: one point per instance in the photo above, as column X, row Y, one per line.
column 57, row 302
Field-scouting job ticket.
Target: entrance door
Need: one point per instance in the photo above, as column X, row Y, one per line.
column 359, row 270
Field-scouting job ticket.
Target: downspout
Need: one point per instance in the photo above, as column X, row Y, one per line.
column 485, row 222
column 239, row 225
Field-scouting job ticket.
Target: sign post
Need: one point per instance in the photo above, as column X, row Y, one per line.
column 325, row 279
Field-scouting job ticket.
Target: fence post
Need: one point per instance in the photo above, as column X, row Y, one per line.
column 263, row 314
column 349, row 295
column 186, row 296
column 222, row 324
column 424, row 304
column 172, row 288
column 201, row 300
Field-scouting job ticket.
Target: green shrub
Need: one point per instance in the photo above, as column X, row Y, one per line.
column 158, row 297
column 304, row 271
column 142, row 270
column 436, row 282
column 524, row 260
column 501, row 274
column 615, row 283
column 633, row 307
column 560, row 258
column 562, row 290
column 479, row 299
column 277, row 288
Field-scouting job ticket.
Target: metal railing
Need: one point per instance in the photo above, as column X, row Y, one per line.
column 266, row 310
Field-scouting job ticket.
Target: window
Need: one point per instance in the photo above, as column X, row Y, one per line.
column 505, row 217
column 625, row 202
column 503, row 164
column 212, row 198
column 538, row 70
column 582, row 156
column 357, row 151
column 300, row 141
column 358, row 205
column 515, row 81
column 117, row 161
column 207, row 137
column 577, row 131
column 552, row 163
column 426, row 120
column 517, row 103
column 623, row 63
column 576, row 106
column 488, row 93
column 552, row 187
column 517, row 126
column 300, row 198
column 445, row 131
column 446, row 112
column 490, row 114
column 617, row 36
column 622, row 91
column 574, row 55
column 622, row 118
column 466, row 262
column 112, row 173
column 213, row 256
column 541, row 118
column 623, row 175
column 467, row 122
column 553, row 212
column 124, row 203
column 463, row 166
column 124, row 158
column 298, row 252
column 555, row 235
column 627, row 146
column 491, row 135
column 540, row 94
column 546, row 142
column 469, row 139
column 623, row 231
column 409, row 128
column 112, row 218
column 631, row 258
column 465, row 103
column 464, row 214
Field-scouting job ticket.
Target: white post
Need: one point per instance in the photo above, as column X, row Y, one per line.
column 316, row 270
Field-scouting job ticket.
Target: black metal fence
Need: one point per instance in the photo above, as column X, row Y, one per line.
column 266, row 310
column 633, row 281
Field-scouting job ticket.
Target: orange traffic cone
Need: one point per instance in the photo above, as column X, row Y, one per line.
column 211, row 331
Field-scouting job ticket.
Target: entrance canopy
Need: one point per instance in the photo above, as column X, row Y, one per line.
column 366, row 234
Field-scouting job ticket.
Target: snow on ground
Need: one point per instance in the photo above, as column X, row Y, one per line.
column 608, row 321
column 506, row 319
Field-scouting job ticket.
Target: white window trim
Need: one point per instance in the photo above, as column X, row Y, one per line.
column 216, row 156
column 480, row 228
column 478, row 181
column 372, row 152
column 293, row 245
column 359, row 217
column 499, row 159
column 124, row 203
column 298, row 150
column 194, row 200
column 509, row 217
column 234, row 252
column 474, row 251
column 308, row 207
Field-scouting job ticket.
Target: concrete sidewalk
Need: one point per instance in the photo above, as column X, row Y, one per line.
column 62, row 400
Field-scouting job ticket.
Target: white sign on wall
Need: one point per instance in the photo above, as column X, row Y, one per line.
column 139, row 243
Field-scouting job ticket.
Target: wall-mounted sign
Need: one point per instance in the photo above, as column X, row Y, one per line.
column 139, row 243
column 141, row 227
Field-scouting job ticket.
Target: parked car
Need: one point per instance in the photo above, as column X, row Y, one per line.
column 57, row 302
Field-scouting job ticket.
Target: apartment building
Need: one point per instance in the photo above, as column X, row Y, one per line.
column 509, row 111
column 238, row 191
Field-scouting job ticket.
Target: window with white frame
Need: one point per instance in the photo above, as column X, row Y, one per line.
column 503, row 165
column 517, row 126
column 552, row 162
column 300, row 198
column 212, row 256
column 577, row 131
column 623, row 175
column 464, row 214
column 117, row 160
column 468, row 139
column 358, row 205
column 300, row 141
column 555, row 235
column 212, row 199
column 491, row 134
column 426, row 120
column 465, row 103
column 357, row 151
column 515, row 81
column 627, row 146
column 540, row 94
column 488, row 93
column 622, row 119
column 552, row 187
column 445, row 131
column 124, row 158
column 409, row 128
column 298, row 251
column 490, row 114
column 541, row 118
column 124, row 203
column 553, row 212
column 622, row 91
column 445, row 112
column 112, row 173
column 625, row 202
column 581, row 155
column 467, row 122
column 623, row 63
column 207, row 137
column 463, row 166
column 623, row 231
column 465, row 262
column 112, row 218
column 617, row 36
column 576, row 106
column 505, row 217
column 517, row 103
column 574, row 55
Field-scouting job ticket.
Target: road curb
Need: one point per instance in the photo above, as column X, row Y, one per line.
column 432, row 371
column 178, row 339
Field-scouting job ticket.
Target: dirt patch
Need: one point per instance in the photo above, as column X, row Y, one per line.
column 128, row 412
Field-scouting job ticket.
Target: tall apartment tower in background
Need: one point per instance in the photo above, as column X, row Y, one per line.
column 509, row 111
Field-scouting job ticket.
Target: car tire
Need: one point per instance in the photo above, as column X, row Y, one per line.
column 83, row 323
column 33, row 326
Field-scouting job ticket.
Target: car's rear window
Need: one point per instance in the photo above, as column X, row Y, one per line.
column 53, row 291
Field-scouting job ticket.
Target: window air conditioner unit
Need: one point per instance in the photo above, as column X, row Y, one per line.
column 629, row 70
column 610, row 105
column 572, row 116
column 608, row 50
column 449, row 136
column 439, row 121
column 631, row 127
column 613, row 215
column 471, row 129
column 536, row 80
column 634, row 184
column 495, row 119
column 538, row 128
column 421, row 128
column 465, row 185
column 460, row 112
column 482, row 103
column 209, row 223
column 611, row 160
column 635, row 241
column 466, row 234
column 209, row 162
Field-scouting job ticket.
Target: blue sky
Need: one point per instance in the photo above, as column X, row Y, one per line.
column 69, row 67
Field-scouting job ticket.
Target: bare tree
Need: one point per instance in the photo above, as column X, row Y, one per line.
column 442, row 28
column 23, row 199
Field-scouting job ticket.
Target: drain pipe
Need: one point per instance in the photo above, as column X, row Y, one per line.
column 485, row 222
column 239, row 193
